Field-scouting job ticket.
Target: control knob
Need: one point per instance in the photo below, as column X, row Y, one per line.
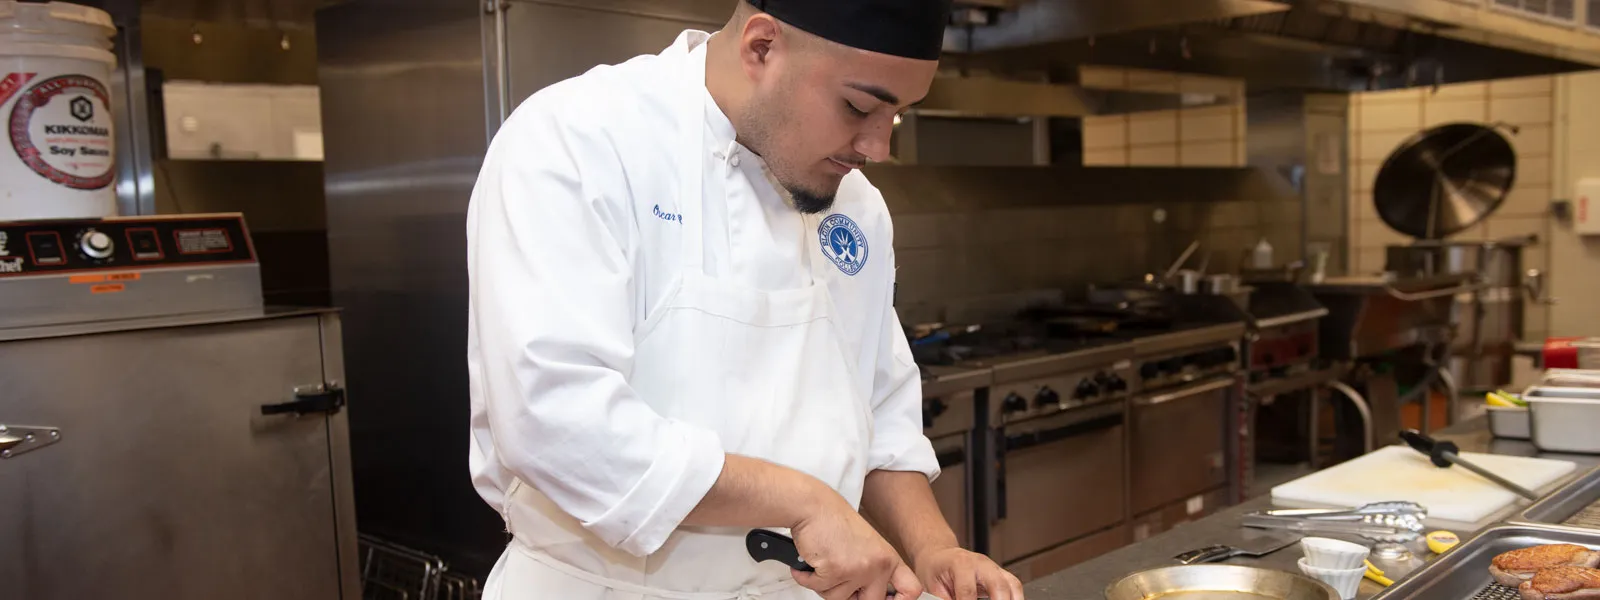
column 96, row 245
column 1086, row 389
column 1046, row 398
column 1013, row 402
column 1113, row 383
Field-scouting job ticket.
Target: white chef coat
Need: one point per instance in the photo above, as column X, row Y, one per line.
column 574, row 235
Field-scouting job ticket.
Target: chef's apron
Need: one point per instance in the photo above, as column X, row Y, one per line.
column 767, row 370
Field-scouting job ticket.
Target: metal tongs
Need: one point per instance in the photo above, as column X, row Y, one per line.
column 1380, row 521
column 1397, row 514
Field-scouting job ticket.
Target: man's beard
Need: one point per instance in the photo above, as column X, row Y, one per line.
column 810, row 203
column 761, row 120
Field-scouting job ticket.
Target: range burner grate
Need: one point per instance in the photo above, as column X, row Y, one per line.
column 1589, row 517
column 1496, row 591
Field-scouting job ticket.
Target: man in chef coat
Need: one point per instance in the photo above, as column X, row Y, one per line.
column 681, row 322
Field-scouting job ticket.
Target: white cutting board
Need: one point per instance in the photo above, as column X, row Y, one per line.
column 1400, row 473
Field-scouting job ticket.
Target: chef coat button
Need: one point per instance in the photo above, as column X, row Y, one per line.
column 735, row 160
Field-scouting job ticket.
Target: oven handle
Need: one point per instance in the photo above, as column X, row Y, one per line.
column 1187, row 392
column 1003, row 443
column 1038, row 438
column 997, row 481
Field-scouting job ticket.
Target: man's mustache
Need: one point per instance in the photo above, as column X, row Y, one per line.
column 854, row 162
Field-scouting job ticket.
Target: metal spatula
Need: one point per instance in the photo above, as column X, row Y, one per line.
column 1255, row 547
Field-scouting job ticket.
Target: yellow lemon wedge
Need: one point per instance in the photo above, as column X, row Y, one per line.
column 1439, row 541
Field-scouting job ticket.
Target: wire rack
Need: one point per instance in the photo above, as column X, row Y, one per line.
column 1496, row 591
column 455, row 586
column 1588, row 517
column 390, row 571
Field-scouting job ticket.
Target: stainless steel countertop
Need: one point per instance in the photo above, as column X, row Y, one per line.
column 1087, row 581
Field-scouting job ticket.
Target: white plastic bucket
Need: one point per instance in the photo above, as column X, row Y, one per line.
column 57, row 141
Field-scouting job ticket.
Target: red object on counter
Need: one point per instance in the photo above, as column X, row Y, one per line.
column 1559, row 353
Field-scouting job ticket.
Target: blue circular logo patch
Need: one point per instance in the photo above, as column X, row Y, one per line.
column 843, row 243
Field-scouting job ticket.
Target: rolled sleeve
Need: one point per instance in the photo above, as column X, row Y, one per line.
column 550, row 246
column 667, row 493
column 898, row 443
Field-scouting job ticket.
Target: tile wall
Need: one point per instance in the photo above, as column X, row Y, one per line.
column 1212, row 136
column 1575, row 259
column 1381, row 121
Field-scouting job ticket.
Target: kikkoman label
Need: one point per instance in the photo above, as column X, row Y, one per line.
column 61, row 128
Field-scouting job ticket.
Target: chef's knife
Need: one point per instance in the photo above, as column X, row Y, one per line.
column 765, row 545
column 1444, row 454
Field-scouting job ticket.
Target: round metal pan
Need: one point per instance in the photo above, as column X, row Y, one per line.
column 1218, row 582
column 1444, row 180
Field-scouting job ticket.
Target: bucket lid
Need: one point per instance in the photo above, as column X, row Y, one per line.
column 61, row 11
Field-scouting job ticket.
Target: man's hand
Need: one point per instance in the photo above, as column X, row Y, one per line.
column 850, row 558
column 956, row 574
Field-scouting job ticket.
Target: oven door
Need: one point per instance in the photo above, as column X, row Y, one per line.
column 1057, row 478
column 1178, row 443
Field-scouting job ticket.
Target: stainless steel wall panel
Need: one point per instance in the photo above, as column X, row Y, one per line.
column 403, row 99
column 549, row 42
column 687, row 11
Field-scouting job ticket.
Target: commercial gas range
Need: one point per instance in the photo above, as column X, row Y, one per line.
column 1050, row 483
column 1182, row 397
column 1180, row 418
column 1081, row 435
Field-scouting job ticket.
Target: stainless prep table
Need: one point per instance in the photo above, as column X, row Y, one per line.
column 1087, row 581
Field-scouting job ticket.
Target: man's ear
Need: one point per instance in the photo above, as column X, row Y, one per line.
column 759, row 36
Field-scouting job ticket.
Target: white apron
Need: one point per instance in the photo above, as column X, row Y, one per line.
column 767, row 370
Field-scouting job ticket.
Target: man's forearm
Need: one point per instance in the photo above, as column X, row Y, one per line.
column 755, row 493
column 901, row 506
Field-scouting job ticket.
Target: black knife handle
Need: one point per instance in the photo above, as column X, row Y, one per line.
column 1436, row 450
column 1207, row 554
column 765, row 545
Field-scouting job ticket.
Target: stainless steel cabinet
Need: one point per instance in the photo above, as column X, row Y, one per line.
column 168, row 480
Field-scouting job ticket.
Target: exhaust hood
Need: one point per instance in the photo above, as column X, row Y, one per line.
column 995, row 97
column 1035, row 22
column 1334, row 45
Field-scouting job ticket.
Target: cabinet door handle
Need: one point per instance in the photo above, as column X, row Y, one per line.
column 314, row 399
